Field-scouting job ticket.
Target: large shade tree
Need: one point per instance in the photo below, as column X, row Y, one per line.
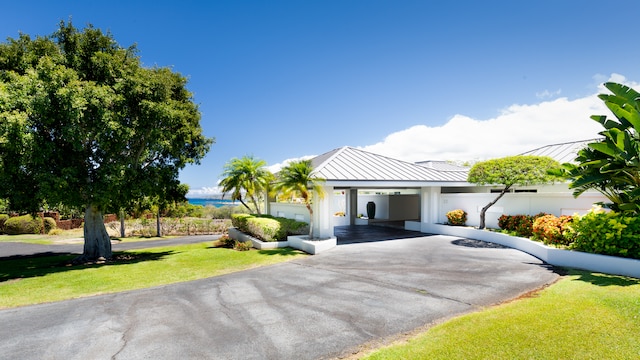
column 298, row 179
column 520, row 170
column 84, row 124
column 612, row 164
column 248, row 177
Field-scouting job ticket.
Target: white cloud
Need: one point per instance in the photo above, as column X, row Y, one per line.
column 203, row 192
column 546, row 94
column 276, row 167
column 517, row 129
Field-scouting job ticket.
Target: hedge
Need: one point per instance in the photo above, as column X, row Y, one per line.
column 3, row 218
column 25, row 224
column 267, row 227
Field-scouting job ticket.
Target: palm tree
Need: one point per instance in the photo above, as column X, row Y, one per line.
column 297, row 178
column 246, row 175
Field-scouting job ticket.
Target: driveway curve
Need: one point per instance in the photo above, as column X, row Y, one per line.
column 324, row 306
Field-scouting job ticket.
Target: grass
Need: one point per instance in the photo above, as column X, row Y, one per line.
column 34, row 280
column 44, row 239
column 583, row 316
column 69, row 235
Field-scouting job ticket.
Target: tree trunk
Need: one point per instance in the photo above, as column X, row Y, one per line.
column 484, row 209
column 310, row 222
column 97, row 244
column 255, row 203
column 122, row 232
column 158, row 228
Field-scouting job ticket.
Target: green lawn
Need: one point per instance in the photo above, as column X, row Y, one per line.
column 583, row 316
column 26, row 281
column 44, row 239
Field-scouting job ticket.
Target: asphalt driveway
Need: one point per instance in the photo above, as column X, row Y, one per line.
column 324, row 306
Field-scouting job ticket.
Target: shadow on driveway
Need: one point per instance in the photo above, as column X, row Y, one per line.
column 352, row 234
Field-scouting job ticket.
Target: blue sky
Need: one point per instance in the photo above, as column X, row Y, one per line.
column 417, row 80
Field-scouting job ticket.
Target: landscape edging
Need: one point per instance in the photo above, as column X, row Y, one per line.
column 557, row 257
column 236, row 234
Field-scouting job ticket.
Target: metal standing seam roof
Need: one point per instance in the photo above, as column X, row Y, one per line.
column 351, row 164
column 562, row 153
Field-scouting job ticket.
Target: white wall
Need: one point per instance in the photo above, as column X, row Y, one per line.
column 290, row 211
column 382, row 205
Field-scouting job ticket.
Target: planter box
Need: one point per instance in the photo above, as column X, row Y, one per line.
column 257, row 243
column 557, row 257
column 312, row 247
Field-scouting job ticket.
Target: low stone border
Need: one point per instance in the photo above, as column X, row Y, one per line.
column 312, row 247
column 557, row 257
column 257, row 243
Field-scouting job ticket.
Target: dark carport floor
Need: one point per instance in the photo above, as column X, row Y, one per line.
column 351, row 234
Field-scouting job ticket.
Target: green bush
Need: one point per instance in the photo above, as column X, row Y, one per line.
column 265, row 229
column 268, row 227
column 3, row 218
column 457, row 217
column 56, row 231
column 294, row 227
column 25, row 224
column 239, row 221
column 609, row 233
column 49, row 224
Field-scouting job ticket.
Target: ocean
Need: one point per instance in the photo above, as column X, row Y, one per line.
column 214, row 202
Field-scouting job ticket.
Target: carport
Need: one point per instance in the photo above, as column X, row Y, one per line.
column 402, row 191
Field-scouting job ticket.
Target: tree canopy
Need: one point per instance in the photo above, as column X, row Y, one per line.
column 247, row 176
column 84, row 124
column 612, row 165
column 297, row 178
column 509, row 171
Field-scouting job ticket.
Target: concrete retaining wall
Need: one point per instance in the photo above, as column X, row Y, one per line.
column 550, row 255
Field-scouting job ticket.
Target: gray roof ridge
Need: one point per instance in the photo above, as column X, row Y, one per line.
column 559, row 144
column 336, row 152
column 390, row 158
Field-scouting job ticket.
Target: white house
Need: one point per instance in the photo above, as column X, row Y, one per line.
column 414, row 194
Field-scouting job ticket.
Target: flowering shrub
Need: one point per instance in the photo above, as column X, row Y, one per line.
column 521, row 225
column 242, row 246
column 553, row 230
column 226, row 241
column 609, row 233
column 457, row 217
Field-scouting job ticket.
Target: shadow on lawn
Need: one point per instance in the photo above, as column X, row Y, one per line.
column 286, row 251
column 27, row 266
column 604, row 279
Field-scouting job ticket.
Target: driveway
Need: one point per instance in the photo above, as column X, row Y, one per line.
column 324, row 306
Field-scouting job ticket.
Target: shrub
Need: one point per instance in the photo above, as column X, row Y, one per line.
column 243, row 246
column 54, row 232
column 265, row 228
column 25, row 224
column 521, row 225
column 609, row 233
column 239, row 221
column 457, row 217
column 553, row 230
column 268, row 227
column 3, row 218
column 226, row 241
column 49, row 224
column 293, row 227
